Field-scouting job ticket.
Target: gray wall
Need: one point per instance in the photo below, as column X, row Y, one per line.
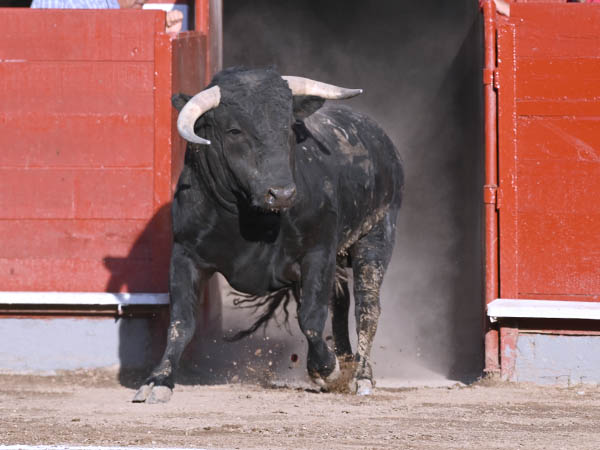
column 48, row 345
column 552, row 359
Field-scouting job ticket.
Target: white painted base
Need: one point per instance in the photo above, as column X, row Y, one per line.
column 543, row 309
column 82, row 298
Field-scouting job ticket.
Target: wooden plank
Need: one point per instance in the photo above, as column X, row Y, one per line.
column 188, row 77
column 34, row 139
column 70, row 194
column 559, row 31
column 78, row 239
column 177, row 59
column 74, row 275
column 163, row 118
column 83, row 35
column 558, row 186
column 558, row 79
column 560, row 107
column 113, row 193
column 507, row 152
column 559, row 253
column 77, row 87
column 560, row 138
column 188, row 63
column 163, row 126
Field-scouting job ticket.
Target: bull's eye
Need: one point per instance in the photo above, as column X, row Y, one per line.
column 234, row 131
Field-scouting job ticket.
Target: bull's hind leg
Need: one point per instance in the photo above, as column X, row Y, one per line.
column 185, row 284
column 340, row 306
column 370, row 258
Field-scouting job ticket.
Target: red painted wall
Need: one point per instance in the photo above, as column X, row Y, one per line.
column 549, row 152
column 89, row 151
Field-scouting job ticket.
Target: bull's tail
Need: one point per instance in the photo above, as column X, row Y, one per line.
column 270, row 302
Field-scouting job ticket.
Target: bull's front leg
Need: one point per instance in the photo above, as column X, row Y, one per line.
column 370, row 258
column 318, row 272
column 186, row 282
column 368, row 276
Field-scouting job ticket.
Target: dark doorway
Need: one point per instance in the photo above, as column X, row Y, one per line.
column 420, row 66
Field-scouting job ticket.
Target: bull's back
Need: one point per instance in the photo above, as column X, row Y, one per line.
column 358, row 166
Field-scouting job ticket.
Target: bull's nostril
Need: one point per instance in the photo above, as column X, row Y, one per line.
column 282, row 194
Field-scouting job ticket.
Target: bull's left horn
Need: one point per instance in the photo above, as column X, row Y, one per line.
column 197, row 105
column 306, row 86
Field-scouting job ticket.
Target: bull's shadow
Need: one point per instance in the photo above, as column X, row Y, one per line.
column 273, row 356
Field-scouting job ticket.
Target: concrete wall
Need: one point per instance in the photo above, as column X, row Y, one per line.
column 48, row 345
column 562, row 360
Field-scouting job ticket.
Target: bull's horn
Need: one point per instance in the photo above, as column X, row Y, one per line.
column 306, row 86
column 197, row 105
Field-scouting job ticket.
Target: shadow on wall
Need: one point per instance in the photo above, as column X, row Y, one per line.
column 264, row 358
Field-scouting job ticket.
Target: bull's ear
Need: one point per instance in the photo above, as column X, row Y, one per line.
column 305, row 105
column 179, row 100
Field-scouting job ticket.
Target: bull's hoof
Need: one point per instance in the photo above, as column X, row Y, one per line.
column 361, row 387
column 326, row 383
column 149, row 393
column 142, row 393
column 160, row 394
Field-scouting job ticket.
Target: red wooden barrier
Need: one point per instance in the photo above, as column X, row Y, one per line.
column 549, row 150
column 548, row 154
column 89, row 150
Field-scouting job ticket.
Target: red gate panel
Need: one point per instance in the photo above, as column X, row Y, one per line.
column 549, row 152
column 88, row 147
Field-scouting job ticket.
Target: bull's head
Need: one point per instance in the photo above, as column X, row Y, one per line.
column 248, row 116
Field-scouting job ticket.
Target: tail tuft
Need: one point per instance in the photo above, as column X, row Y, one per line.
column 270, row 301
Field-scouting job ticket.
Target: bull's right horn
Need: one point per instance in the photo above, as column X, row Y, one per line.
column 197, row 105
column 306, row 86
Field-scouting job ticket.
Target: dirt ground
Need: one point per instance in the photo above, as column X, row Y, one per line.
column 92, row 408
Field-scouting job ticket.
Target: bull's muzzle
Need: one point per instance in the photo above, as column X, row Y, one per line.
column 281, row 197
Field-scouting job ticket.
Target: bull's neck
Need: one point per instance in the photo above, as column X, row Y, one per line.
column 212, row 175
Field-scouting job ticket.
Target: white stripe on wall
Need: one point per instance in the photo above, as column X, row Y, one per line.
column 543, row 309
column 82, row 298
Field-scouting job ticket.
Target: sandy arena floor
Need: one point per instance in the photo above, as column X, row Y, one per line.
column 92, row 408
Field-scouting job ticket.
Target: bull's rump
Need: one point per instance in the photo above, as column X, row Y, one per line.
column 353, row 166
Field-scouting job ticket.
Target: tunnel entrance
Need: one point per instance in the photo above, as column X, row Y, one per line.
column 420, row 66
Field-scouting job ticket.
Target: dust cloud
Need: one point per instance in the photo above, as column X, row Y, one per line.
column 420, row 66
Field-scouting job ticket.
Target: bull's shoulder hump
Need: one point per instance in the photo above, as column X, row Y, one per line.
column 340, row 115
column 335, row 123
column 338, row 123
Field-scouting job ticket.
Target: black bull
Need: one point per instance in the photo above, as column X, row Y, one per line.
column 287, row 193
